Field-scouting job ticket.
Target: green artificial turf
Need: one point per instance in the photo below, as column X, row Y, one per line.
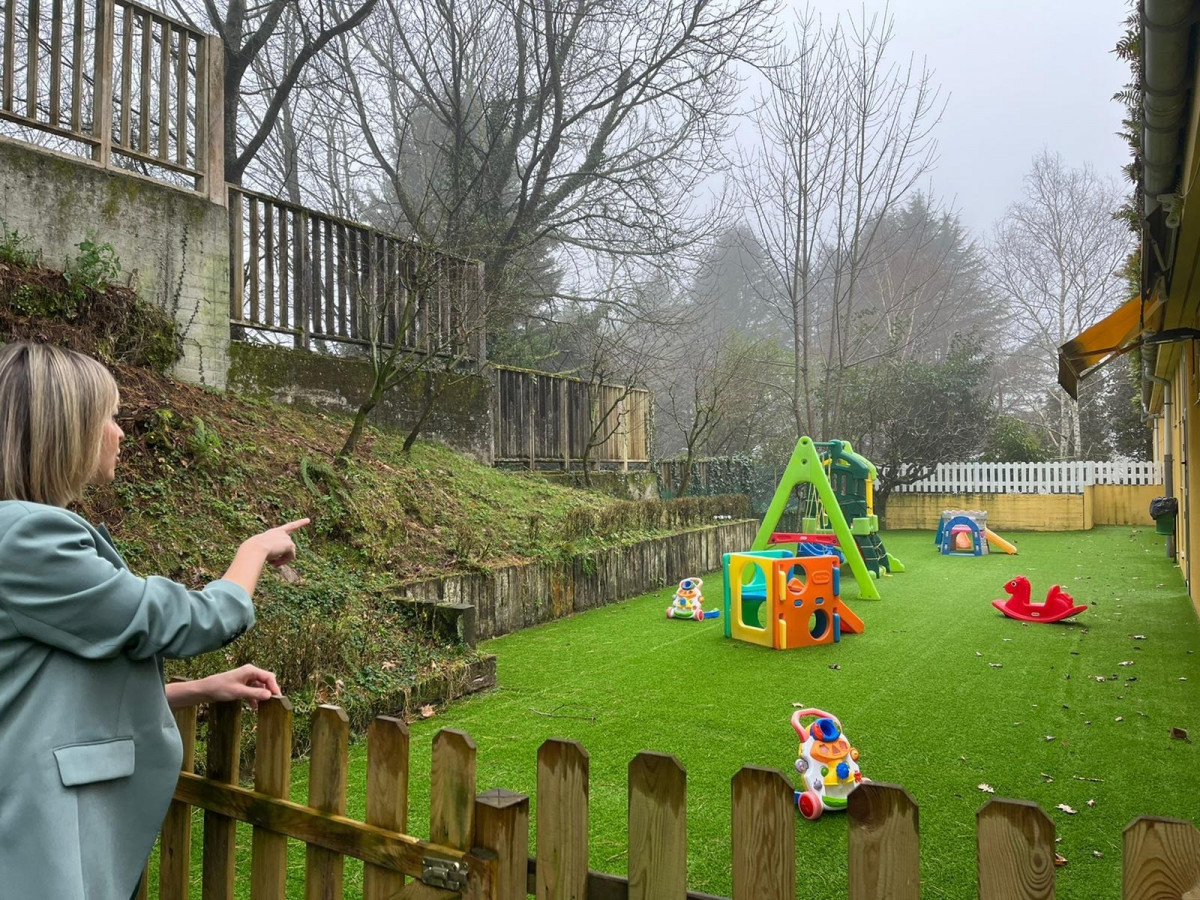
column 920, row 695
column 941, row 694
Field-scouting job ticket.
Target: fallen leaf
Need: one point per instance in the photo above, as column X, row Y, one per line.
column 1085, row 778
column 1183, row 679
column 999, row 665
column 1180, row 734
column 426, row 711
column 977, row 653
column 835, row 667
column 1006, row 640
column 1047, row 776
column 1097, row 854
column 1066, row 809
column 1138, row 637
column 1091, row 803
column 1049, row 738
column 987, row 788
column 288, row 574
column 1100, row 678
column 1128, row 662
column 1059, row 859
column 1120, row 718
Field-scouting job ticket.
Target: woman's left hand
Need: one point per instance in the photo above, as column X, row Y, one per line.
column 248, row 683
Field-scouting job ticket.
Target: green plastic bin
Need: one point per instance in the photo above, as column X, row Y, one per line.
column 1164, row 510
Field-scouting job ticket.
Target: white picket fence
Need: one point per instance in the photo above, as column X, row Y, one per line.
column 1062, row 477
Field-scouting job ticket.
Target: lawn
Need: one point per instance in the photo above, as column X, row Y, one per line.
column 941, row 694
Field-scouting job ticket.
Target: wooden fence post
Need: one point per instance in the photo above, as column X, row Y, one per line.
column 102, row 83
column 323, row 869
column 657, row 827
column 210, row 118
column 237, row 271
column 562, row 820
column 502, row 828
column 1162, row 859
column 272, row 775
column 387, row 796
column 764, row 835
column 224, row 752
column 175, row 845
column 1015, row 841
column 884, row 850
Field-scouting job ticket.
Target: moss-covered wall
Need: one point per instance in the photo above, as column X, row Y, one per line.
column 461, row 420
column 633, row 485
column 173, row 245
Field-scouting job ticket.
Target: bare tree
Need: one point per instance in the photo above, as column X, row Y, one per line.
column 292, row 33
column 1057, row 260
column 499, row 128
column 423, row 318
column 844, row 136
column 704, row 389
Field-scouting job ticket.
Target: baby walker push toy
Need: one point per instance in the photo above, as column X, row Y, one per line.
column 828, row 765
column 688, row 602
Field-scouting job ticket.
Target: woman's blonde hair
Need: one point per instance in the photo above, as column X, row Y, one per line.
column 54, row 404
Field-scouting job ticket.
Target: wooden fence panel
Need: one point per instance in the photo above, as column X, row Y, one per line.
column 764, row 835
column 272, row 775
column 1162, row 860
column 884, row 852
column 387, row 796
column 562, row 820
column 220, row 831
column 1015, row 842
column 175, row 842
column 323, row 869
column 657, row 827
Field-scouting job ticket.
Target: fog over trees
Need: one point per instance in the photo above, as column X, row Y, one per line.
column 728, row 201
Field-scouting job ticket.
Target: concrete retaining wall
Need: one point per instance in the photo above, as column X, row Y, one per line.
column 461, row 420
column 173, row 245
column 515, row 597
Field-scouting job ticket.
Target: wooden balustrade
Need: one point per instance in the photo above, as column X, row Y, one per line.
column 315, row 277
column 479, row 843
column 114, row 77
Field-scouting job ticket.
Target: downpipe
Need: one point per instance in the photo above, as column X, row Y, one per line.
column 1168, row 457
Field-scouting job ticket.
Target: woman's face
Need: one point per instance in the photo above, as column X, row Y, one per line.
column 110, row 451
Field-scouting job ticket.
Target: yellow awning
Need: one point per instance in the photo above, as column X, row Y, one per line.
column 1115, row 334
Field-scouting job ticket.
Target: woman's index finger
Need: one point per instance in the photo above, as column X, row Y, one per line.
column 295, row 526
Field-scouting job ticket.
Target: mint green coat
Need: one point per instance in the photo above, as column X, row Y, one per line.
column 89, row 752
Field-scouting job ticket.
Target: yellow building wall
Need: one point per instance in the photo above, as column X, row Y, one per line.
column 1015, row 512
column 1124, row 504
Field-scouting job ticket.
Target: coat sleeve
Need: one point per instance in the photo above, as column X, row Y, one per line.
column 57, row 589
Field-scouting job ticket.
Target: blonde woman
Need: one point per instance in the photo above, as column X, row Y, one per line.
column 89, row 753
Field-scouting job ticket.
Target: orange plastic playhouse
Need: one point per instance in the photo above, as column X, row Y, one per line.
column 785, row 601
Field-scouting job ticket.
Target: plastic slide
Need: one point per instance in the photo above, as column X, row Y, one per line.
column 1000, row 543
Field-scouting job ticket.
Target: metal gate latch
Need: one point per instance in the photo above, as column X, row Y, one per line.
column 444, row 873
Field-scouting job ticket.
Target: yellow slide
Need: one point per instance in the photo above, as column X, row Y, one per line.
column 1000, row 543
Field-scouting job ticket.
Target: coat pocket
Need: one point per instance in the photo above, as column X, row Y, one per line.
column 97, row 761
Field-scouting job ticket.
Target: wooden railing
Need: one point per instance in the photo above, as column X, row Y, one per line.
column 311, row 276
column 548, row 420
column 478, row 843
column 113, row 77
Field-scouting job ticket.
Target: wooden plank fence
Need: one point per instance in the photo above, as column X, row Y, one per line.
column 1059, row 477
column 118, row 82
column 479, row 842
column 547, row 420
column 304, row 275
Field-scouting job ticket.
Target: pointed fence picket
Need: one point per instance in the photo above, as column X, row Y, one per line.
column 479, row 843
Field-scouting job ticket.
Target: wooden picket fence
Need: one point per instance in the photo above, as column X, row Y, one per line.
column 1057, row 477
column 478, row 844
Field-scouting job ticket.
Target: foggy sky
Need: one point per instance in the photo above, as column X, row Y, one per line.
column 1021, row 75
